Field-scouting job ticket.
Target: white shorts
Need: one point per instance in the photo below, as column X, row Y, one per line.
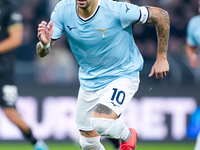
column 116, row 96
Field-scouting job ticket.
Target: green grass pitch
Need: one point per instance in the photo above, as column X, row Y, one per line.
column 108, row 146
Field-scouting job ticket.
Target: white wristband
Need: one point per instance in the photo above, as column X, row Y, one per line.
column 44, row 46
column 144, row 15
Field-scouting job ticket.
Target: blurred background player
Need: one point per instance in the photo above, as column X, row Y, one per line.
column 192, row 50
column 193, row 41
column 11, row 33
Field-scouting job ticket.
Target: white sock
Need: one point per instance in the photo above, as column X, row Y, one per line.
column 92, row 143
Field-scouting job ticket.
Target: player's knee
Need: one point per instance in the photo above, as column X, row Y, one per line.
column 112, row 128
column 89, row 143
column 101, row 125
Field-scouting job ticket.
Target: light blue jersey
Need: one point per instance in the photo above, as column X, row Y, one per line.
column 193, row 32
column 103, row 43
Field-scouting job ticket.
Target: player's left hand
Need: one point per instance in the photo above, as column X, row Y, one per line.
column 160, row 68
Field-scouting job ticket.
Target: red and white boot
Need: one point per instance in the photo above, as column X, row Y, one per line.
column 131, row 143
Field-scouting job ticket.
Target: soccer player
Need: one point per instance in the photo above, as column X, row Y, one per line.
column 192, row 50
column 11, row 33
column 193, row 40
column 100, row 36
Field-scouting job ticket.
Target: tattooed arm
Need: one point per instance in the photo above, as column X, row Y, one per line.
column 42, row 52
column 160, row 18
column 43, row 47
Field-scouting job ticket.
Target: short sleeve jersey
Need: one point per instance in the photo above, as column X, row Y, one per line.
column 193, row 32
column 9, row 16
column 103, row 43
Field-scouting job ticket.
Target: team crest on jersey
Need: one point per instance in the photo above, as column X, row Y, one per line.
column 103, row 31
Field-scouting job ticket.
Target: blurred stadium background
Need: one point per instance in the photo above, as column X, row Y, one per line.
column 165, row 112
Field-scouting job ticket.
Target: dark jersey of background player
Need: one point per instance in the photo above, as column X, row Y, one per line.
column 8, row 17
column 11, row 33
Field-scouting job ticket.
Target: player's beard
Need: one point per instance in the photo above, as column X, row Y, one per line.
column 84, row 4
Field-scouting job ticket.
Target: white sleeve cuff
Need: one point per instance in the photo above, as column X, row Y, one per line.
column 144, row 15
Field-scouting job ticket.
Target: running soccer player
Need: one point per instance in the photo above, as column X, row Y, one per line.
column 192, row 50
column 100, row 36
column 11, row 33
column 193, row 40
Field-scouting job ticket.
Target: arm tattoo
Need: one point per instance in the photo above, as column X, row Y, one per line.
column 102, row 109
column 85, row 133
column 163, row 32
column 153, row 17
column 43, row 52
column 161, row 19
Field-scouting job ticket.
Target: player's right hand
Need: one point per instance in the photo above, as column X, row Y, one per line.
column 160, row 68
column 45, row 33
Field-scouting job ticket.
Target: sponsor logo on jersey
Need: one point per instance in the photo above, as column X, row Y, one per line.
column 127, row 9
column 70, row 28
column 114, row 104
